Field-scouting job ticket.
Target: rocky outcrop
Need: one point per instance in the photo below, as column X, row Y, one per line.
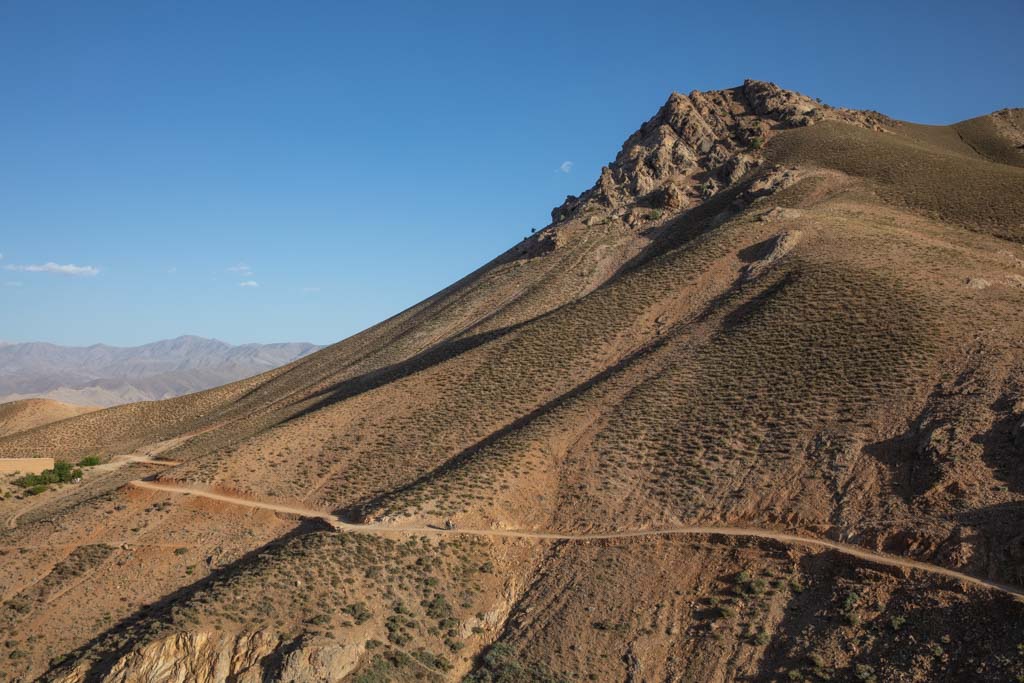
column 771, row 252
column 217, row 657
column 329, row 661
column 700, row 143
column 191, row 657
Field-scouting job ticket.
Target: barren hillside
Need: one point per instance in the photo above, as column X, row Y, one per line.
column 750, row 408
column 19, row 416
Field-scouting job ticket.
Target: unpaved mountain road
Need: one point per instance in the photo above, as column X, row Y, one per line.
column 115, row 463
column 789, row 538
column 147, row 455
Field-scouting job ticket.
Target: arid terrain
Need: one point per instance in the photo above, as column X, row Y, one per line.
column 19, row 416
column 751, row 408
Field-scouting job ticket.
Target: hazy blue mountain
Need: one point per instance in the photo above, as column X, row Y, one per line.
column 104, row 375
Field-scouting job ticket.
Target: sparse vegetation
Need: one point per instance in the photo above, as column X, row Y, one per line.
column 622, row 375
column 61, row 473
column 500, row 664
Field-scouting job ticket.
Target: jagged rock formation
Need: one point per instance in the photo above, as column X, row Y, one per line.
column 215, row 657
column 191, row 657
column 697, row 144
column 771, row 251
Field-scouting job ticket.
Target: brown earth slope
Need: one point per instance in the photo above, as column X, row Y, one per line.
column 767, row 314
column 19, row 416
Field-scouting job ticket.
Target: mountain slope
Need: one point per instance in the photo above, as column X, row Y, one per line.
column 767, row 313
column 107, row 375
column 19, row 416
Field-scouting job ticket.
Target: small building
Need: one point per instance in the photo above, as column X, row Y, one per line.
column 25, row 465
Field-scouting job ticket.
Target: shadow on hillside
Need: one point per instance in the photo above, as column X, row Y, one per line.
column 539, row 246
column 132, row 630
column 1000, row 451
column 910, row 475
column 359, row 511
column 974, row 635
column 1002, row 527
column 807, row 612
column 435, row 355
column 911, row 472
column 682, row 229
column 685, row 227
column 675, row 233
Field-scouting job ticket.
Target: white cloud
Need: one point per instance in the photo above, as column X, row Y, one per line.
column 566, row 167
column 240, row 268
column 51, row 267
column 172, row 270
column 249, row 283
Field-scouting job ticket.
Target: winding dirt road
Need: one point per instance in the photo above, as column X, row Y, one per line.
column 789, row 538
column 116, row 462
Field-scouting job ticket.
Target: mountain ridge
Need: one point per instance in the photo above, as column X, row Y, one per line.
column 105, row 375
column 758, row 318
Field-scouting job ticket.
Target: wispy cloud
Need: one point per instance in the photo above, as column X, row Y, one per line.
column 240, row 268
column 566, row 167
column 249, row 283
column 51, row 267
column 172, row 270
column 13, row 283
column 310, row 289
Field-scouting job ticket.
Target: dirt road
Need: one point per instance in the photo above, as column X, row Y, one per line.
column 783, row 537
column 115, row 463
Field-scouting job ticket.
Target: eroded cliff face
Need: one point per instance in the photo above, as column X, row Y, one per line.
column 214, row 657
column 700, row 143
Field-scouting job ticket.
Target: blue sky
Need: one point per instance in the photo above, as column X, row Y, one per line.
column 351, row 160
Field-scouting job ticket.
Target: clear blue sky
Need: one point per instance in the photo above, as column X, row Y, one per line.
column 352, row 160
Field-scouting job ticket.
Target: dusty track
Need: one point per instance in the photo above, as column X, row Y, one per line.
column 789, row 538
column 115, row 463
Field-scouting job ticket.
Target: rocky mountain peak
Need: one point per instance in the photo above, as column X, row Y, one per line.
column 699, row 143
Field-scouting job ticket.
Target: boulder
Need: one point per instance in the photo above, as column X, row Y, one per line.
column 668, row 197
column 326, row 663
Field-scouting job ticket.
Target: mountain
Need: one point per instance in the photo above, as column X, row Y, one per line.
column 102, row 375
column 749, row 408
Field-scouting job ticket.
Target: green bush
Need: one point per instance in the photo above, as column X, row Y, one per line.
column 358, row 611
column 61, row 473
column 726, row 612
column 89, row 461
column 500, row 665
column 865, row 673
column 438, row 608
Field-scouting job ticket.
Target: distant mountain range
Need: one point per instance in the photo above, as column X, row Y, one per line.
column 102, row 375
